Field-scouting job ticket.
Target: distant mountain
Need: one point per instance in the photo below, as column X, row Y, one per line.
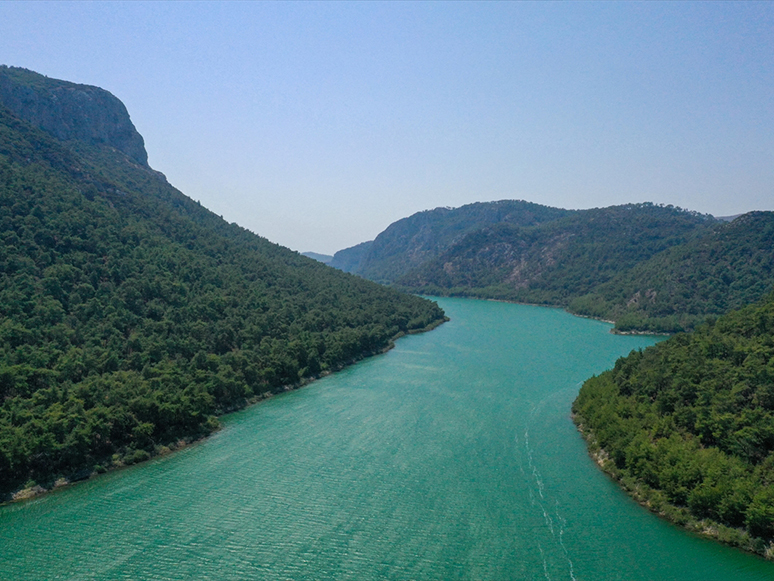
column 413, row 241
column 557, row 261
column 349, row 259
column 729, row 266
column 324, row 258
column 129, row 314
column 647, row 267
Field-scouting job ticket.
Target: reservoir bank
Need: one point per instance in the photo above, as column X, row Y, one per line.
column 452, row 456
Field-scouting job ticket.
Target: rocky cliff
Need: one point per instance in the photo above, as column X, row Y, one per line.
column 71, row 111
column 422, row 237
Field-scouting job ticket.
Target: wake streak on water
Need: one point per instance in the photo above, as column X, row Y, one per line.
column 545, row 565
column 540, row 487
column 563, row 522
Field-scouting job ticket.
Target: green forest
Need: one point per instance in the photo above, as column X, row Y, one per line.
column 130, row 316
column 729, row 266
column 647, row 268
column 559, row 260
column 688, row 426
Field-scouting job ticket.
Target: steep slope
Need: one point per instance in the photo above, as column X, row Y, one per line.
column 412, row 241
column 687, row 427
column 555, row 262
column 732, row 265
column 130, row 315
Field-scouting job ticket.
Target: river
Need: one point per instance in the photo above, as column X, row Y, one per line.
column 453, row 456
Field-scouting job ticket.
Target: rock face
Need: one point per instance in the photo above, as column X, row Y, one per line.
column 71, row 111
column 422, row 237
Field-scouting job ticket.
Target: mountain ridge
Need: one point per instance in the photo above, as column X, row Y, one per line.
column 549, row 262
column 726, row 268
column 411, row 241
column 130, row 315
column 638, row 274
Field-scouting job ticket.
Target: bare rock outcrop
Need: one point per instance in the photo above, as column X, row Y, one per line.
column 71, row 111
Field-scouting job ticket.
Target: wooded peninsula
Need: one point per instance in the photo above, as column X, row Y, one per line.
column 687, row 426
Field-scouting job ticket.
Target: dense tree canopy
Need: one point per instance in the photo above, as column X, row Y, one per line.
column 689, row 423
column 728, row 267
column 130, row 315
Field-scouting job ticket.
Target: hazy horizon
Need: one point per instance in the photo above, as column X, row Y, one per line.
column 316, row 125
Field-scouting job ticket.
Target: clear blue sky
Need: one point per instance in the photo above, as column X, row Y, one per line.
column 316, row 125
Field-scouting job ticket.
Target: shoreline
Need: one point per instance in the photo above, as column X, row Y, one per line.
column 61, row 483
column 614, row 331
column 652, row 500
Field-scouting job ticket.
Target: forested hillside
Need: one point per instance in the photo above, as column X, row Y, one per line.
column 688, row 426
column 413, row 241
column 730, row 266
column 555, row 262
column 130, row 315
column 648, row 268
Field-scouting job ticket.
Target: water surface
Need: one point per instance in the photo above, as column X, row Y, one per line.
column 453, row 456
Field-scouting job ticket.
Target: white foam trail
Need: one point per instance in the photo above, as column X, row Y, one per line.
column 518, row 456
column 539, row 482
column 548, row 519
column 535, row 473
column 545, row 565
column 562, row 522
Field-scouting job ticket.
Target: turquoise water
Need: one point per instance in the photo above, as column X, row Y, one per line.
column 453, row 456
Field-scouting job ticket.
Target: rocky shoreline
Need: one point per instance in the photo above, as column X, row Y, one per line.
column 655, row 502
